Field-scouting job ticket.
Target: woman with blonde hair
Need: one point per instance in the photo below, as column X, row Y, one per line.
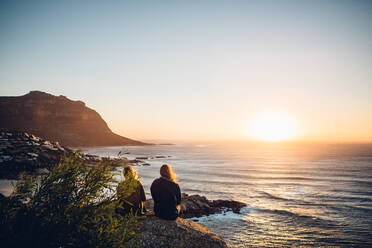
column 166, row 194
column 131, row 195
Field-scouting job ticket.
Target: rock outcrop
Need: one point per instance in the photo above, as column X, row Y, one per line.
column 181, row 233
column 24, row 152
column 58, row 118
column 197, row 206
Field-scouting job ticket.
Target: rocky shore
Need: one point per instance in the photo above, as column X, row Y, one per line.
column 158, row 233
column 24, row 152
column 197, row 206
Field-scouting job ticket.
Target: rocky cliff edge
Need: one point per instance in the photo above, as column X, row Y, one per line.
column 181, row 233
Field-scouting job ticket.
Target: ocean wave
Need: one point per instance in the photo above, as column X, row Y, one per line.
column 360, row 192
column 365, row 209
column 275, row 197
column 327, row 197
column 229, row 215
column 294, row 218
column 215, row 182
column 223, row 175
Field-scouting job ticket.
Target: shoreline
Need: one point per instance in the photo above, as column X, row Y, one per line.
column 281, row 186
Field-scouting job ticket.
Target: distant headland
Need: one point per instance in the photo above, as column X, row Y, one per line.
column 60, row 119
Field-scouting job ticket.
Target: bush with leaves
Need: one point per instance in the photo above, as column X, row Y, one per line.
column 72, row 206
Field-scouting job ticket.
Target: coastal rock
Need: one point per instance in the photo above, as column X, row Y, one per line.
column 197, row 206
column 160, row 156
column 23, row 152
column 135, row 162
column 59, row 119
column 158, row 233
column 142, row 157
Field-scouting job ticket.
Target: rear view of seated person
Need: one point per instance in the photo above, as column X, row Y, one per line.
column 131, row 195
column 166, row 194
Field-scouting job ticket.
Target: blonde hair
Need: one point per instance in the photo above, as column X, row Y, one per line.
column 129, row 171
column 167, row 173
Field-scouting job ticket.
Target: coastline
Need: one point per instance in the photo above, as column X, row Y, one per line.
column 276, row 184
column 24, row 145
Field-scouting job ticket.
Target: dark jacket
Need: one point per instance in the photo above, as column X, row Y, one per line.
column 166, row 196
column 131, row 195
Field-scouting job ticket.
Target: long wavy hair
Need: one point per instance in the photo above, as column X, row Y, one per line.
column 130, row 172
column 166, row 172
column 129, row 185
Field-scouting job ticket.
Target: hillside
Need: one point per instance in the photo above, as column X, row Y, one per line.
column 58, row 118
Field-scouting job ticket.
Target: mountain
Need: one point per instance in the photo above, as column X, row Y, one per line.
column 58, row 118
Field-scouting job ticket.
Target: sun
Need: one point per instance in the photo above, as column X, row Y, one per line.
column 273, row 127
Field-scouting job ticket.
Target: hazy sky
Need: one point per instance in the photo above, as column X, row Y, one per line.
column 197, row 69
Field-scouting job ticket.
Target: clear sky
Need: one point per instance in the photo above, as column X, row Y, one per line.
column 197, row 69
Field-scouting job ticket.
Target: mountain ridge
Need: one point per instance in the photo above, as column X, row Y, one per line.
column 58, row 118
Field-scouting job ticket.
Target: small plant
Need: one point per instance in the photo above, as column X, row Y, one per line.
column 73, row 206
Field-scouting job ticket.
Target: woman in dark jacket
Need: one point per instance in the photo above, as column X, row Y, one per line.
column 166, row 194
column 131, row 195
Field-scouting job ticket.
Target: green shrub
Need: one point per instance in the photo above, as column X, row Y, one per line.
column 72, row 206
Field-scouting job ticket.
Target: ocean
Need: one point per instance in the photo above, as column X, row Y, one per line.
column 297, row 195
